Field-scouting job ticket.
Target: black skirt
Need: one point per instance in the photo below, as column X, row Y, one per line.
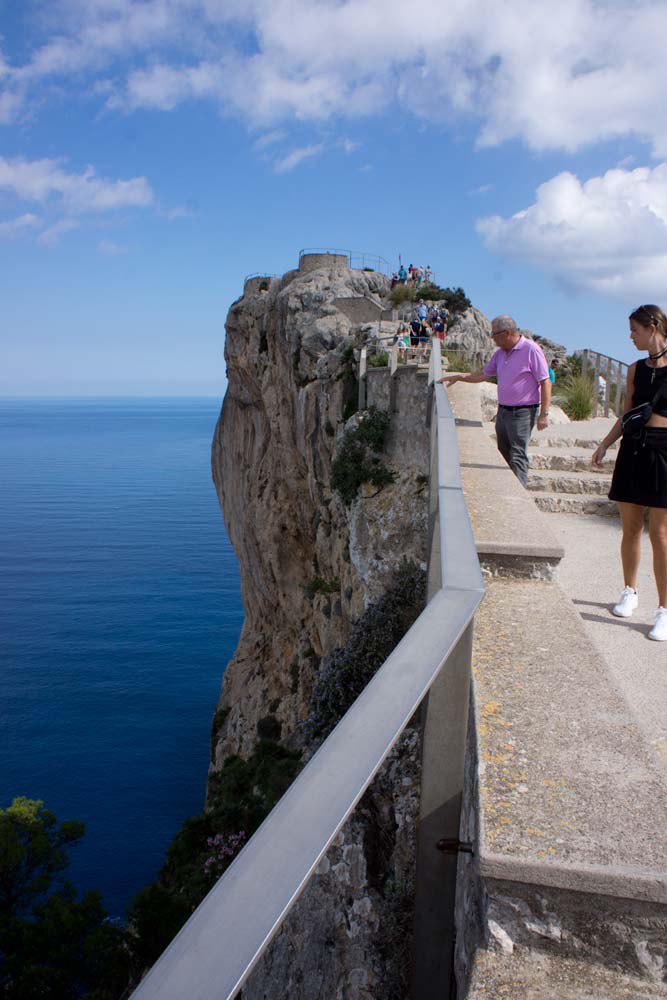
column 640, row 473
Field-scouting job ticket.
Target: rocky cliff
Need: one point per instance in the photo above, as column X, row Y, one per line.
column 311, row 567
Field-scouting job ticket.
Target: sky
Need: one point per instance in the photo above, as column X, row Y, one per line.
column 153, row 153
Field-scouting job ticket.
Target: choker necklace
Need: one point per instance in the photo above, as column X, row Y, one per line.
column 660, row 354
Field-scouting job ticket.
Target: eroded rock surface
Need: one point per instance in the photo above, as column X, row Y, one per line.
column 310, row 566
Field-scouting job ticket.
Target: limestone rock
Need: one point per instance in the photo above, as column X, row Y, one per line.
column 292, row 359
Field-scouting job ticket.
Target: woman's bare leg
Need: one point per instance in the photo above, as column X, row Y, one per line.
column 632, row 521
column 657, row 529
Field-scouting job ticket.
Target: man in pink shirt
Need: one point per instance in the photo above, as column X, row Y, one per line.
column 523, row 389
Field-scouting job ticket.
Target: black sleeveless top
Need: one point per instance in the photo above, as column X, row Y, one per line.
column 647, row 383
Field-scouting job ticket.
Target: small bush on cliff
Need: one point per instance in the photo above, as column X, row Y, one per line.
column 241, row 795
column 358, row 460
column 400, row 294
column 318, row 585
column 380, row 360
column 456, row 300
column 344, row 674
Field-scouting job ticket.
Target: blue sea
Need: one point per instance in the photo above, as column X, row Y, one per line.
column 119, row 609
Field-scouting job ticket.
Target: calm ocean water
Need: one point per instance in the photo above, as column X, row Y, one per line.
column 119, row 609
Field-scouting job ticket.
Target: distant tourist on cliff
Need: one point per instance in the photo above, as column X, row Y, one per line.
column 523, row 388
column 640, row 473
column 402, row 275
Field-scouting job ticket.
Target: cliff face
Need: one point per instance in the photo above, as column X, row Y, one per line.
column 310, row 566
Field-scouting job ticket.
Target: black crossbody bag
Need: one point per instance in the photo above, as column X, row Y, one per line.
column 638, row 417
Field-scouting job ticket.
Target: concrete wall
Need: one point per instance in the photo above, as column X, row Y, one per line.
column 565, row 896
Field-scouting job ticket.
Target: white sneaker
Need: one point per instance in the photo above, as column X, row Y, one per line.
column 659, row 630
column 627, row 603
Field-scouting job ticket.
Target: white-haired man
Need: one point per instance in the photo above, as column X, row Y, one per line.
column 524, row 389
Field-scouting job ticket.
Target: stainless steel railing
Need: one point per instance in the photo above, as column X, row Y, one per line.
column 216, row 950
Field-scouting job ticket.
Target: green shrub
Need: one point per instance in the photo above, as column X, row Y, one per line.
column 455, row 299
column 358, row 461
column 432, row 293
column 241, row 795
column 318, row 585
column 578, row 397
column 400, row 294
column 344, row 674
column 378, row 360
column 458, row 362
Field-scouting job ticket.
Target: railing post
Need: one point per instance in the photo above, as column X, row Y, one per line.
column 362, row 380
column 607, row 387
column 619, row 388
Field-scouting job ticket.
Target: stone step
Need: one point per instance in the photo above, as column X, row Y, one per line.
column 568, row 482
column 540, row 441
column 573, row 503
column 569, row 460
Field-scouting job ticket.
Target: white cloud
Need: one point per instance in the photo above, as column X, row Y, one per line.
column 51, row 236
column 555, row 82
column 270, row 138
column 14, row 227
column 292, row 159
column 608, row 234
column 41, row 180
column 111, row 249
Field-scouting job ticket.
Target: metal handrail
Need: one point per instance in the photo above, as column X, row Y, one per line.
column 216, row 950
column 599, row 361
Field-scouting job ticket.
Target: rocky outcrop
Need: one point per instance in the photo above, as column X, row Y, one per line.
column 310, row 566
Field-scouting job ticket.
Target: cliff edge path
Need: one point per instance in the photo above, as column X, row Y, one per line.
column 591, row 575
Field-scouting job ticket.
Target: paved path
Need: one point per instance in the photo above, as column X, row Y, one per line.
column 590, row 574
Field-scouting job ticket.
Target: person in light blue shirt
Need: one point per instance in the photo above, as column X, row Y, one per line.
column 422, row 311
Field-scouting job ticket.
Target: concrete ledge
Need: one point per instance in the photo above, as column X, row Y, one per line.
column 543, row 977
column 512, row 537
column 564, row 776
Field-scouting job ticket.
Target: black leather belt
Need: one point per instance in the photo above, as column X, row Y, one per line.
column 524, row 406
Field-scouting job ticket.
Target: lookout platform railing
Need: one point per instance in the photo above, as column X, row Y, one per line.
column 611, row 391
column 218, row 947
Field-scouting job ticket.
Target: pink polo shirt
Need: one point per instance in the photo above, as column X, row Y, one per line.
column 519, row 373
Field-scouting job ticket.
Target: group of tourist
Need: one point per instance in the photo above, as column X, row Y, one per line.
column 640, row 473
column 414, row 276
column 427, row 321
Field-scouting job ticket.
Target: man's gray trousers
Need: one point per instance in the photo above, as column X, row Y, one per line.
column 514, row 426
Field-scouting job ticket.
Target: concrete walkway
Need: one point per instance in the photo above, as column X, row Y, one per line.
column 590, row 573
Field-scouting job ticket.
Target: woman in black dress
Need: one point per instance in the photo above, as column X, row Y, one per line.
column 640, row 473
